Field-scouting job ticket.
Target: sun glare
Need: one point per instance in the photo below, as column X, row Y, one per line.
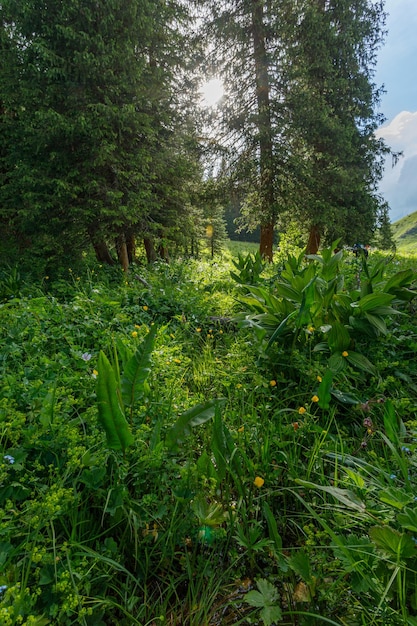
column 211, row 92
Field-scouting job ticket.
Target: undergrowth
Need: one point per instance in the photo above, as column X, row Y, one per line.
column 180, row 447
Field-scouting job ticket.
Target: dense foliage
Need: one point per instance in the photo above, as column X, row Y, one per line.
column 103, row 142
column 300, row 118
column 160, row 463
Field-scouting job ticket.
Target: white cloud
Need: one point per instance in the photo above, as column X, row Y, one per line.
column 399, row 184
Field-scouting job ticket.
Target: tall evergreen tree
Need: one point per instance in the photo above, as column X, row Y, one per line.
column 87, row 121
column 301, row 111
column 331, row 55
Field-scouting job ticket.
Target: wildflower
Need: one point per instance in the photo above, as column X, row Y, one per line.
column 301, row 410
column 295, row 425
column 273, row 383
column 239, row 386
column 392, row 476
column 258, row 482
column 145, row 308
column 364, row 444
column 177, row 360
column 137, row 325
column 134, row 333
column 319, row 379
column 406, row 450
column 345, row 353
column 9, row 458
column 95, row 373
column 198, row 330
column 241, row 429
column 315, row 399
column 368, row 424
column 86, row 356
column 310, row 329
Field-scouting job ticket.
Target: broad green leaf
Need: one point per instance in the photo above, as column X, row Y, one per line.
column 254, row 598
column 408, row 519
column 395, row 497
column 373, row 300
column 361, row 362
column 266, row 596
column 288, row 292
column 355, row 478
column 110, row 409
column 280, row 329
column 222, row 444
column 337, row 363
column 377, row 322
column 344, row 397
column 338, row 337
column 300, row 564
column 137, row 370
column 345, row 496
column 271, row 615
column 195, row 416
column 404, row 278
column 393, row 543
column 209, row 513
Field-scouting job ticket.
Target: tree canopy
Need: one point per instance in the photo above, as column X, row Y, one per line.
column 100, row 130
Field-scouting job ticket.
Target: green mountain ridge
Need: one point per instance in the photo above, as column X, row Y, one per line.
column 405, row 233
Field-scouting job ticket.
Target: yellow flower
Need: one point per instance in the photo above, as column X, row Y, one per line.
column 319, row 378
column 95, row 373
column 145, row 308
column 302, row 410
column 273, row 383
column 135, row 333
column 241, row 429
column 258, row 482
column 198, row 330
column 345, row 353
column 310, row 329
column 315, row 399
column 177, row 360
column 137, row 325
column 239, row 386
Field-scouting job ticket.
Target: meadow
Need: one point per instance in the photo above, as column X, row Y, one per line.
column 210, row 442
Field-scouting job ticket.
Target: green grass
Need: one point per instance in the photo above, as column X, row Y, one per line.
column 405, row 234
column 239, row 498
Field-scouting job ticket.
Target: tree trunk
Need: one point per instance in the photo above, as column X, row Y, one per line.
column 122, row 255
column 267, row 241
column 314, row 237
column 149, row 249
column 265, row 131
column 100, row 246
column 131, row 246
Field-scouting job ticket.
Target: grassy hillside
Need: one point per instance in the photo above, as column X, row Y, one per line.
column 405, row 233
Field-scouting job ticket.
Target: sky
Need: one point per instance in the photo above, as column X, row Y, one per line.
column 397, row 71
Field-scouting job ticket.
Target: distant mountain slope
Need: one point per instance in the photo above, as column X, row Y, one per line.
column 405, row 233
